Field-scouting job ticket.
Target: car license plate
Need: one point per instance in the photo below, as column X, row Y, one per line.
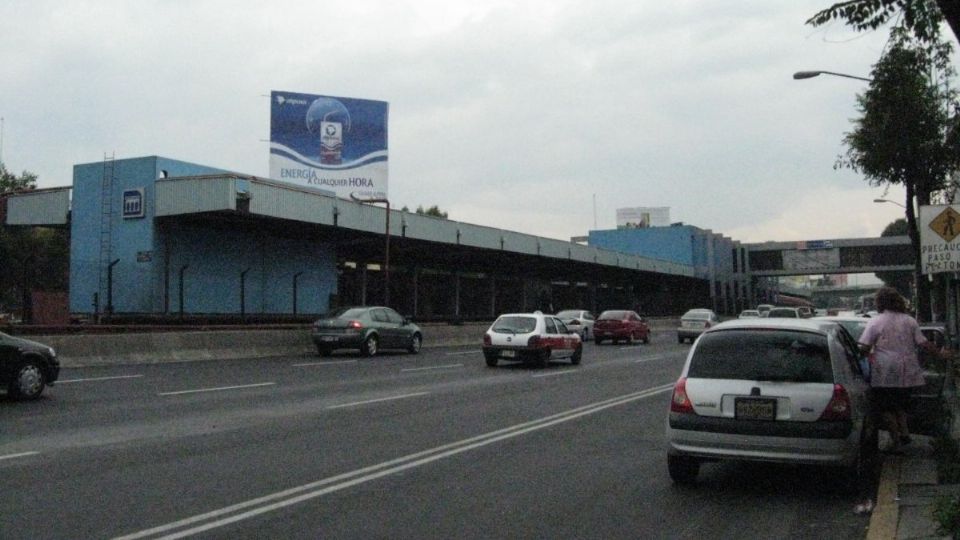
column 508, row 354
column 328, row 338
column 755, row 409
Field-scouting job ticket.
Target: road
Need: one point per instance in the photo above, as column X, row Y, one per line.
column 435, row 445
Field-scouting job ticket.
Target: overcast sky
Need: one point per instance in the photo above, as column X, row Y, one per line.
column 512, row 114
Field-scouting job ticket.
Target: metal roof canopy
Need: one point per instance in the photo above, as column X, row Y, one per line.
column 253, row 202
column 37, row 207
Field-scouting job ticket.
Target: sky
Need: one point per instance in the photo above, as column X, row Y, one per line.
column 537, row 116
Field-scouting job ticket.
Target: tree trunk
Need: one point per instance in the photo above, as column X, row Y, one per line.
column 922, row 298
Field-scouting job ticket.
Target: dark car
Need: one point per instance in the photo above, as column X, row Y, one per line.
column 367, row 329
column 26, row 367
column 620, row 324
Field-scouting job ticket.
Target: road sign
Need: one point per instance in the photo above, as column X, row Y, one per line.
column 939, row 243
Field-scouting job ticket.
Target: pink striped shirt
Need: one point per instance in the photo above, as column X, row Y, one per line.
column 894, row 338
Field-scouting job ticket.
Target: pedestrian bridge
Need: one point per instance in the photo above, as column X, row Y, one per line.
column 839, row 256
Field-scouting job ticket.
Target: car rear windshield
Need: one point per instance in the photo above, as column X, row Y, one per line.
column 701, row 315
column 615, row 315
column 348, row 313
column 762, row 355
column 515, row 325
column 568, row 314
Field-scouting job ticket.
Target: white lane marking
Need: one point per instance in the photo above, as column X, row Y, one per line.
column 554, row 373
column 92, row 379
column 218, row 389
column 21, row 454
column 290, row 496
column 356, row 403
column 330, row 363
column 654, row 357
column 461, row 353
column 447, row 366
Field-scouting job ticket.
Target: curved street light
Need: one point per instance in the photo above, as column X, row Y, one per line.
column 811, row 74
column 889, row 201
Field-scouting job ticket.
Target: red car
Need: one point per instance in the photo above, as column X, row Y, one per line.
column 619, row 324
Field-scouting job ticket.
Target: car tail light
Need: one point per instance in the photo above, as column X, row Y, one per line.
column 839, row 406
column 355, row 324
column 486, row 340
column 534, row 341
column 706, row 324
column 681, row 402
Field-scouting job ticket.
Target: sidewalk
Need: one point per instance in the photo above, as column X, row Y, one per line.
column 909, row 490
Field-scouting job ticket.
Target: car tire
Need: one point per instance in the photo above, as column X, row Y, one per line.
column 491, row 359
column 416, row 341
column 646, row 339
column 370, row 346
column 597, row 340
column 324, row 351
column 28, row 380
column 543, row 358
column 683, row 470
column 577, row 356
column 680, row 340
column 854, row 477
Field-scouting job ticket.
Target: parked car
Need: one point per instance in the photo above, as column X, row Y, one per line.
column 533, row 338
column 805, row 311
column 368, row 329
column 694, row 322
column 26, row 367
column 764, row 309
column 620, row 325
column 749, row 314
column 772, row 390
column 854, row 325
column 578, row 319
column 784, row 313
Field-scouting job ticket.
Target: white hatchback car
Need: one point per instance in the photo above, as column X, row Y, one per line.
column 578, row 319
column 778, row 390
column 534, row 338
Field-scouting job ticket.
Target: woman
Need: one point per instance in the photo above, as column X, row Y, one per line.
column 891, row 339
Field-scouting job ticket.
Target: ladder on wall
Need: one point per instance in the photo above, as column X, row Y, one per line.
column 106, row 229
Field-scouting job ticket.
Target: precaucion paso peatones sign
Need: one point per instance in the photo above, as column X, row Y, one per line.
column 939, row 238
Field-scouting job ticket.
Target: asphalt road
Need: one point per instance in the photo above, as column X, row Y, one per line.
column 434, row 445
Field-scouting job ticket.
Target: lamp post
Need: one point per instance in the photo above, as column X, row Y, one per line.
column 889, row 201
column 386, row 249
column 811, row 74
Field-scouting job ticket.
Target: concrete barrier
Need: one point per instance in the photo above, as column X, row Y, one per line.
column 186, row 346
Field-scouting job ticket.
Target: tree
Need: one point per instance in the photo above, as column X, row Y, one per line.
column 10, row 183
column 921, row 18
column 901, row 281
column 905, row 136
column 433, row 211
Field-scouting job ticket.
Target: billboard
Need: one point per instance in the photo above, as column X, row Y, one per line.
column 334, row 144
column 642, row 217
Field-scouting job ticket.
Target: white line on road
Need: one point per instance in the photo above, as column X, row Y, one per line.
column 461, row 353
column 356, row 403
column 330, row 363
column 554, row 373
column 218, row 389
column 295, row 495
column 92, row 379
column 21, row 454
column 655, row 357
column 447, row 366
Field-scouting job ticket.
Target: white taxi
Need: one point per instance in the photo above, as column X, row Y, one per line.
column 533, row 338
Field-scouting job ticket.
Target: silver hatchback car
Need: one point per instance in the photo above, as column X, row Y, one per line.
column 776, row 390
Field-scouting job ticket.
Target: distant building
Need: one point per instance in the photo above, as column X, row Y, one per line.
column 643, row 217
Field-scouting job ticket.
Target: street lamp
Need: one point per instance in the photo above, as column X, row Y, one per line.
column 811, row 74
column 386, row 252
column 889, row 201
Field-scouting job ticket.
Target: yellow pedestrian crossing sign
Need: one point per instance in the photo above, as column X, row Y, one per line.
column 939, row 238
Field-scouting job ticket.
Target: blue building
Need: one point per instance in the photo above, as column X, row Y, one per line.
column 125, row 257
column 714, row 257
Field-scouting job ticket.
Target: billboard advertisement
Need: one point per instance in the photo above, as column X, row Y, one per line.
column 333, row 144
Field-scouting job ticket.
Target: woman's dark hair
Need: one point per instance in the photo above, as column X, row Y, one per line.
column 888, row 299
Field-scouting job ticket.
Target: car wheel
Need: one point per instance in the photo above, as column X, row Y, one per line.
column 646, row 339
column 369, row 347
column 28, row 380
column 577, row 356
column 491, row 359
column 597, row 340
column 323, row 350
column 855, row 476
column 683, row 470
column 415, row 342
column 680, row 340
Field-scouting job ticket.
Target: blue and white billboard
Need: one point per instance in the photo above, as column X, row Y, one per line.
column 334, row 144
